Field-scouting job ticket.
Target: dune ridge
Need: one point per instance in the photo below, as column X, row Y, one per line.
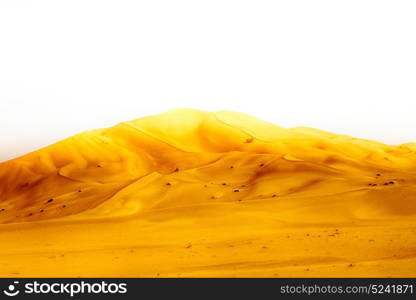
column 193, row 193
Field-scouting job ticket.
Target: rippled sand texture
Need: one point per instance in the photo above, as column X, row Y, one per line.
column 196, row 194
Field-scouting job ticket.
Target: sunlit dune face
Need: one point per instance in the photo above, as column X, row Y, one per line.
column 191, row 193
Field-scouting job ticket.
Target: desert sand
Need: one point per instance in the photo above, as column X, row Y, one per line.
column 198, row 194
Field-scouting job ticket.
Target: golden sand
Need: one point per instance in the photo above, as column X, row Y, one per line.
column 196, row 194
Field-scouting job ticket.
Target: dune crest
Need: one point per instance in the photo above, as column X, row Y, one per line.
column 221, row 181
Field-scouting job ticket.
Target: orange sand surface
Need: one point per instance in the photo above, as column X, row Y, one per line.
column 197, row 194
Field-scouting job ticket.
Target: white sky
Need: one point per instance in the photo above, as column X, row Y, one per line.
column 343, row 66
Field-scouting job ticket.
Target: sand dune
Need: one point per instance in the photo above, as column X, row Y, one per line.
column 192, row 193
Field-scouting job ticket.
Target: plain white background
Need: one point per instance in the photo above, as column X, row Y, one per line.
column 343, row 66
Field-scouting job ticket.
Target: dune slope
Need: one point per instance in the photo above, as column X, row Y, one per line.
column 192, row 193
